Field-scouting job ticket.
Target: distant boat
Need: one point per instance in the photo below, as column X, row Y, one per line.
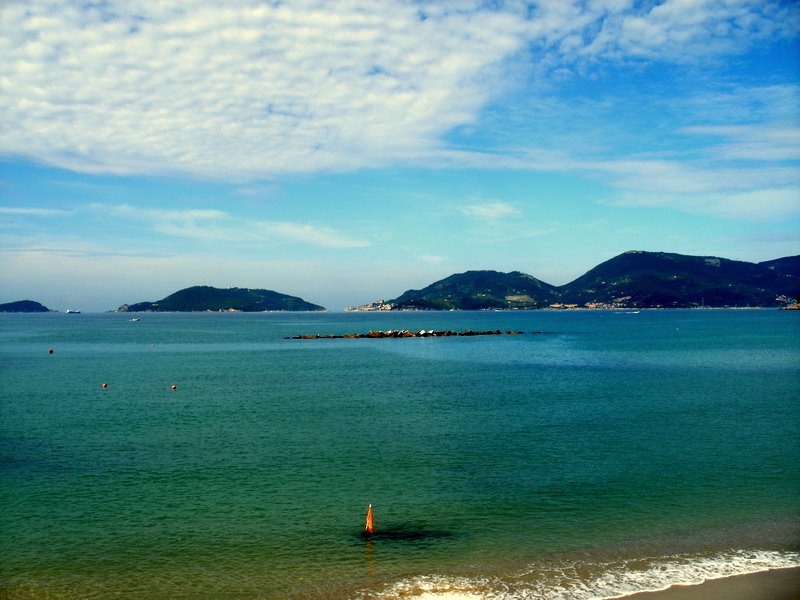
column 134, row 319
column 69, row 311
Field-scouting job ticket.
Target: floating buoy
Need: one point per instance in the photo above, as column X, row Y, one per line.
column 49, row 350
column 174, row 387
column 368, row 526
column 104, row 386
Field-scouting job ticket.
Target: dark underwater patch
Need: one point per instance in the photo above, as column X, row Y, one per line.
column 405, row 533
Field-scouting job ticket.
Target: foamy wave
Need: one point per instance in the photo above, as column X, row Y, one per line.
column 581, row 580
column 617, row 580
column 445, row 588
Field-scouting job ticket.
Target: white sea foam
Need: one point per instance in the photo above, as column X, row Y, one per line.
column 582, row 580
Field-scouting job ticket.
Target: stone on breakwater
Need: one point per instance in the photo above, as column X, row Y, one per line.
column 403, row 333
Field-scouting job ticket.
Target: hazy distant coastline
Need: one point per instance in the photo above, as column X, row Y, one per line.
column 633, row 280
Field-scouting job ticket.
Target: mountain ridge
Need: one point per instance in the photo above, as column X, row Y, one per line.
column 633, row 279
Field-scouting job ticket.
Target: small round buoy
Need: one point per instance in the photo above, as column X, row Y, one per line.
column 174, row 387
column 104, row 386
column 49, row 350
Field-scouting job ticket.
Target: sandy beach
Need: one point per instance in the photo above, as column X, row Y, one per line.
column 782, row 584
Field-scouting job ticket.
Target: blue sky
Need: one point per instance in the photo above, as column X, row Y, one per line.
column 348, row 151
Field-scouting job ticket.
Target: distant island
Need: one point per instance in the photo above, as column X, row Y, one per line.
column 205, row 298
column 634, row 279
column 23, row 306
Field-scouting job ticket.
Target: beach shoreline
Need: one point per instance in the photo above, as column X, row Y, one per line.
column 775, row 584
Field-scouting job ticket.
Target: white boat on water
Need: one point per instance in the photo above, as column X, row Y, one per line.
column 69, row 311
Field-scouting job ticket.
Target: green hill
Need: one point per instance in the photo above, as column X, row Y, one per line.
column 205, row 298
column 23, row 306
column 476, row 290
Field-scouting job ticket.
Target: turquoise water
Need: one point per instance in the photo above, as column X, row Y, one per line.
column 598, row 454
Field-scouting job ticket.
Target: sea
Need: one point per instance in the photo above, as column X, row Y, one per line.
column 208, row 455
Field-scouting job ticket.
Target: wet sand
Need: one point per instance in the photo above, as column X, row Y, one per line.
column 782, row 584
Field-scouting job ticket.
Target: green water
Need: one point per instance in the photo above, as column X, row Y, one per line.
column 623, row 443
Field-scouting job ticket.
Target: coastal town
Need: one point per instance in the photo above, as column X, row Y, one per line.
column 621, row 303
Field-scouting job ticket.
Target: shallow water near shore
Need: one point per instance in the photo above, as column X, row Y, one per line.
column 596, row 455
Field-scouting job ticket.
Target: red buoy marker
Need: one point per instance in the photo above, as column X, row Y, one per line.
column 174, row 387
column 368, row 526
column 49, row 350
column 104, row 386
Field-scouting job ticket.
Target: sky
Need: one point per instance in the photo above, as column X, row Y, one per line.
column 349, row 151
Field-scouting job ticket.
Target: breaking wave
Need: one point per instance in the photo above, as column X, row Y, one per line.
column 582, row 580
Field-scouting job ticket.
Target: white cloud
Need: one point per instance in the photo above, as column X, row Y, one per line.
column 158, row 214
column 733, row 153
column 759, row 204
column 255, row 89
column 219, row 226
column 747, row 104
column 724, row 190
column 323, row 237
column 33, row 212
column 683, row 30
column 491, row 211
column 240, row 93
column 761, row 142
column 769, row 204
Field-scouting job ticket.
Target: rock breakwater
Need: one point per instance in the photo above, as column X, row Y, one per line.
column 403, row 333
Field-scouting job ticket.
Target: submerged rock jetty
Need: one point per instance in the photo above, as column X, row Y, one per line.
column 403, row 333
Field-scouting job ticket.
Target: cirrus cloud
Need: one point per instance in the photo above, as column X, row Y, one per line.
column 262, row 88
column 257, row 89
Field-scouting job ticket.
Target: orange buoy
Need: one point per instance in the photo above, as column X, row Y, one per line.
column 174, row 387
column 104, row 386
column 368, row 527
